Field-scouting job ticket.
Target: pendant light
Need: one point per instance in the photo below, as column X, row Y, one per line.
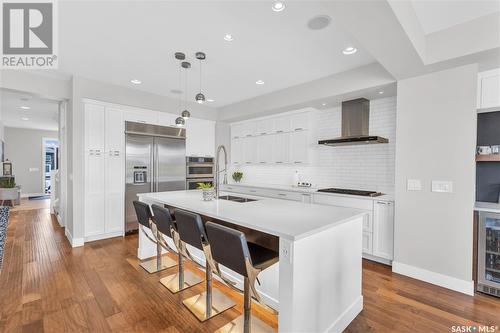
column 185, row 113
column 179, row 121
column 200, row 98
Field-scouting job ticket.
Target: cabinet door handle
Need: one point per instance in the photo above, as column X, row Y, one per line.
column 262, row 162
column 297, row 162
column 299, row 129
column 248, row 162
column 263, row 133
column 279, row 162
column 279, row 131
column 282, row 194
column 248, row 135
column 382, row 202
column 253, row 191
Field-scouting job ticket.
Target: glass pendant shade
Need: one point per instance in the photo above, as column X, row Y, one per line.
column 185, row 114
column 200, row 98
column 179, row 122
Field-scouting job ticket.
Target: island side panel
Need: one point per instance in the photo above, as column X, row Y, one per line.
column 320, row 280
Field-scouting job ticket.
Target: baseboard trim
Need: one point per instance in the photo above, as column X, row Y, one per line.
column 75, row 242
column 347, row 317
column 103, row 236
column 445, row 281
column 377, row 259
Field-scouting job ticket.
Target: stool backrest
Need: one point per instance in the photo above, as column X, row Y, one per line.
column 229, row 247
column 143, row 213
column 190, row 227
column 162, row 219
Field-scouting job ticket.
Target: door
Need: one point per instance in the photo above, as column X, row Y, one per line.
column 138, row 174
column 299, row 147
column 170, row 164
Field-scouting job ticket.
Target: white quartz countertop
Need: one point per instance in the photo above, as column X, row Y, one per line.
column 487, row 207
column 291, row 188
column 286, row 219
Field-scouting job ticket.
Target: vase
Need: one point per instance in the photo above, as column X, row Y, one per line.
column 208, row 194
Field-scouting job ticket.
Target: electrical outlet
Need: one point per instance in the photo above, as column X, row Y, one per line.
column 286, row 250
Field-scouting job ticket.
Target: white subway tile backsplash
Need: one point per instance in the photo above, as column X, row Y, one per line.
column 368, row 167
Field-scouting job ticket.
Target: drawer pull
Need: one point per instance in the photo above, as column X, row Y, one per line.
column 279, row 131
column 253, row 191
column 299, row 129
column 282, row 194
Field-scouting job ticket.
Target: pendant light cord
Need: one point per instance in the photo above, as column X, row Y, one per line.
column 185, row 88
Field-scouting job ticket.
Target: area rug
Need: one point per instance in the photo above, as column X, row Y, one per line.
column 4, row 219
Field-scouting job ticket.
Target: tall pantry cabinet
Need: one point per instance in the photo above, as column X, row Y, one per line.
column 104, row 172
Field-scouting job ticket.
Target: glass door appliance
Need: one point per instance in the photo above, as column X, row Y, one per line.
column 488, row 263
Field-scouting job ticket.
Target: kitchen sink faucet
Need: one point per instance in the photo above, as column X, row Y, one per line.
column 218, row 171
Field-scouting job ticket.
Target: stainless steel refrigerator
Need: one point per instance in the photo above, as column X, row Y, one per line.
column 155, row 162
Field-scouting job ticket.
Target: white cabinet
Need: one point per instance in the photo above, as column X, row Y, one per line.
column 249, row 150
column 114, row 171
column 94, row 166
column 488, row 86
column 281, row 148
column 383, row 229
column 299, row 121
column 200, row 137
column 104, row 172
column 237, row 151
column 264, row 149
column 264, row 126
column 299, row 147
column 268, row 192
column 237, row 130
column 141, row 116
column 166, row 119
column 282, row 124
column 367, row 242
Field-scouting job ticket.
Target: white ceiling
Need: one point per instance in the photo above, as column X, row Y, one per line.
column 438, row 15
column 42, row 115
column 116, row 41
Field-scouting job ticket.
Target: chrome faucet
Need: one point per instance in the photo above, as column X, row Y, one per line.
column 218, row 171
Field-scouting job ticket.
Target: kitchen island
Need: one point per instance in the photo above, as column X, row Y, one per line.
column 317, row 283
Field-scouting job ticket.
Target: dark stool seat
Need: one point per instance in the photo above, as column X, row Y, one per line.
column 167, row 226
column 211, row 302
column 230, row 248
column 145, row 219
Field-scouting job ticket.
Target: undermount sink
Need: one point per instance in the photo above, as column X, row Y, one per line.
column 235, row 199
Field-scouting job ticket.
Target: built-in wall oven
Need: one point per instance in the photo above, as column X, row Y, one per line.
column 199, row 170
column 488, row 253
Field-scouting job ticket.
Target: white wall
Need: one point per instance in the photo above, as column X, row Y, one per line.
column 369, row 167
column 23, row 147
column 436, row 131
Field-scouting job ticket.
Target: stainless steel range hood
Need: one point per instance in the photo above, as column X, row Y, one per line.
column 355, row 124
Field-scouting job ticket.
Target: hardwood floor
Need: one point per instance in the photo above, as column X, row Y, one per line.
column 47, row 286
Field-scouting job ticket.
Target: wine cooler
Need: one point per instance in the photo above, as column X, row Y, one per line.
column 488, row 261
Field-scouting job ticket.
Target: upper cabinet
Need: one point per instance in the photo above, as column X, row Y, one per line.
column 271, row 140
column 200, row 137
column 488, row 89
column 166, row 119
column 141, row 116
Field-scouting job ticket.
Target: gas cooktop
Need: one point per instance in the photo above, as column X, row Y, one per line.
column 351, row 192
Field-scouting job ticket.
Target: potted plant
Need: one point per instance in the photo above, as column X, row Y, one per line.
column 237, row 175
column 207, row 190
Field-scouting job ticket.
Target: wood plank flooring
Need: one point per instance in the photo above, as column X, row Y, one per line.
column 47, row 286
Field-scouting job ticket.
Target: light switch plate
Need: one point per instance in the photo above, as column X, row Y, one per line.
column 34, row 169
column 414, row 185
column 442, row 186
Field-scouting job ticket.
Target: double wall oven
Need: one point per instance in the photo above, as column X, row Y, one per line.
column 199, row 170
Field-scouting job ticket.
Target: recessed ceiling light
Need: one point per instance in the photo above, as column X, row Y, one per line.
column 380, row 92
column 25, row 107
column 324, row 104
column 25, row 118
column 349, row 50
column 259, row 82
column 210, row 100
column 135, row 81
column 228, row 37
column 278, row 6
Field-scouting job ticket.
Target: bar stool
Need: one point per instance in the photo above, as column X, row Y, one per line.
column 183, row 278
column 144, row 217
column 230, row 248
column 210, row 302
